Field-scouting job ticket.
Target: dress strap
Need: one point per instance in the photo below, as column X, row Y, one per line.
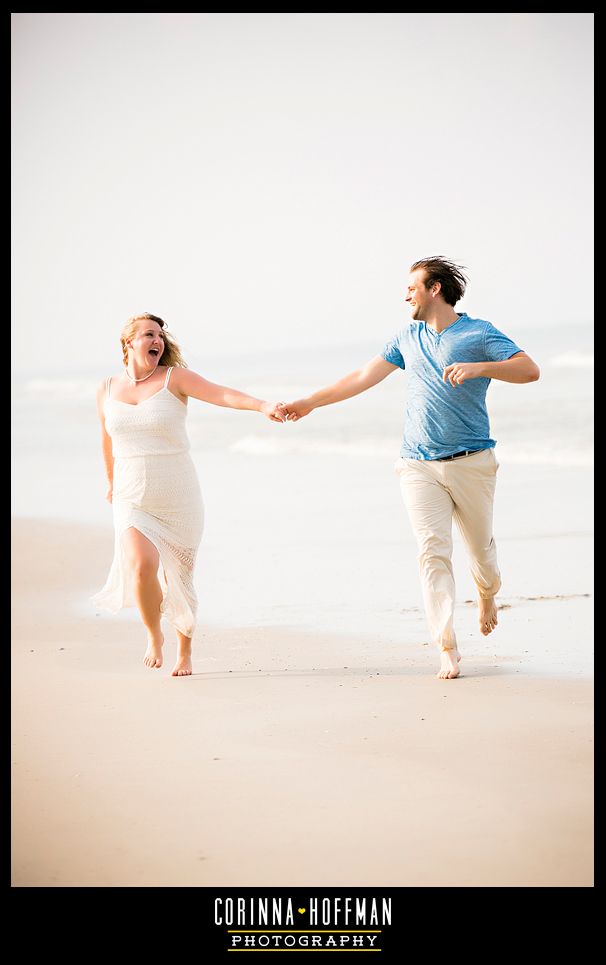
column 108, row 382
column 169, row 370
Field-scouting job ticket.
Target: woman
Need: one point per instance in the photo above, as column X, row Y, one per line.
column 153, row 487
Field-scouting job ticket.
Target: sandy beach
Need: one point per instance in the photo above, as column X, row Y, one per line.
column 291, row 757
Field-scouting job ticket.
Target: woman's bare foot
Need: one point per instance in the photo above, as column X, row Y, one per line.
column 153, row 654
column 487, row 615
column 182, row 667
column 449, row 663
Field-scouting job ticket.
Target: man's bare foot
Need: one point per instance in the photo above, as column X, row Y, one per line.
column 449, row 663
column 487, row 615
column 153, row 654
column 182, row 667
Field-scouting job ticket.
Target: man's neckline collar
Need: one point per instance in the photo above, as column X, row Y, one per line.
column 454, row 322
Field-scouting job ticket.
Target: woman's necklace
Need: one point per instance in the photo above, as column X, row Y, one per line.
column 139, row 380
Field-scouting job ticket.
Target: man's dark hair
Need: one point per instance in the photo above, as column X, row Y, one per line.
column 450, row 276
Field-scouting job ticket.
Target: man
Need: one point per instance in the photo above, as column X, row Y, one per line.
column 447, row 466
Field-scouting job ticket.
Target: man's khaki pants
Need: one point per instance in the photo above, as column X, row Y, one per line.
column 434, row 491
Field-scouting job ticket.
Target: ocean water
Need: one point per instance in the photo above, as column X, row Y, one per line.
column 304, row 523
column 57, row 469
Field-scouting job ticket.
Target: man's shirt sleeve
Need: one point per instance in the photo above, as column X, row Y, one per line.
column 391, row 352
column 497, row 346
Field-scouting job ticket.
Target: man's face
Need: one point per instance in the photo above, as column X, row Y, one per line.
column 417, row 296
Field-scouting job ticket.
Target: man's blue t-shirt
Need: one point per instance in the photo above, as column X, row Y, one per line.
column 442, row 419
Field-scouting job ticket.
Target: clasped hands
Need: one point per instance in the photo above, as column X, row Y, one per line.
column 286, row 412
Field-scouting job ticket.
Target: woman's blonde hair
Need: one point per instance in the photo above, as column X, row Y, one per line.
column 172, row 352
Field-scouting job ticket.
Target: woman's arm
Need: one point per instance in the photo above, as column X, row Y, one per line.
column 188, row 383
column 106, row 443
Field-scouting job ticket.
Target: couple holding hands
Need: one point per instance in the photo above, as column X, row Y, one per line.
column 447, row 465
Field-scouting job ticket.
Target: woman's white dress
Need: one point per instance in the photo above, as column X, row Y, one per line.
column 156, row 491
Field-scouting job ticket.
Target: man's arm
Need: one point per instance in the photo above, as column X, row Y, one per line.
column 519, row 368
column 363, row 378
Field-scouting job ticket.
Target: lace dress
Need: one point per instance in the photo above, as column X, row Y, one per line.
column 156, row 491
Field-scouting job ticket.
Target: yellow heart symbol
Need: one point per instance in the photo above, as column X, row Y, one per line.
column 301, row 910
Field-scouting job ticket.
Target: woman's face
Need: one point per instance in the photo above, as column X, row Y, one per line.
column 147, row 344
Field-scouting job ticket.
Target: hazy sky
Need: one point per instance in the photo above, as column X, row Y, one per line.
column 265, row 180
